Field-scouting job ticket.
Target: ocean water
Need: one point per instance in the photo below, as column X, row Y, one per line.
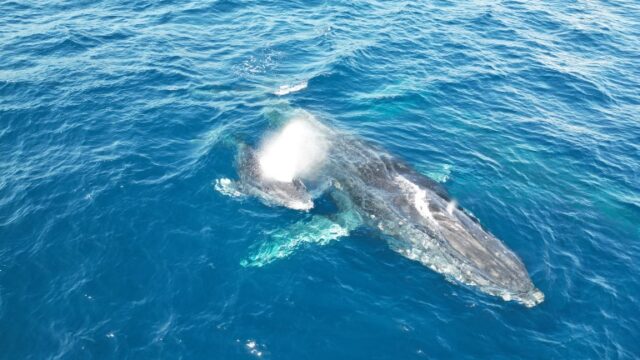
column 118, row 118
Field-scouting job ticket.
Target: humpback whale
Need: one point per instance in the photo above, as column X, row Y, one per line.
column 372, row 188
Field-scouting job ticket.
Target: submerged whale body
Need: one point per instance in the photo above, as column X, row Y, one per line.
column 372, row 188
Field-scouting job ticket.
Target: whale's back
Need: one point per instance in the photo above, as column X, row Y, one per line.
column 428, row 225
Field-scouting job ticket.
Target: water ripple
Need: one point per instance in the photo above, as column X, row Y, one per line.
column 117, row 117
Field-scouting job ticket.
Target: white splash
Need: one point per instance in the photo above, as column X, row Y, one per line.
column 227, row 187
column 287, row 89
column 253, row 348
column 295, row 151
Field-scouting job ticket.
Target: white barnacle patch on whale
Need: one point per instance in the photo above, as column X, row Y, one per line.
column 419, row 197
column 451, row 206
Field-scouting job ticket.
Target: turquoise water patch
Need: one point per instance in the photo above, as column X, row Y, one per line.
column 441, row 174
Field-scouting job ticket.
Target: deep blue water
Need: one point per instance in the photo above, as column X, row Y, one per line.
column 116, row 118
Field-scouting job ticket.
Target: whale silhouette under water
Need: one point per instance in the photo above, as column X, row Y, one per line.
column 372, row 188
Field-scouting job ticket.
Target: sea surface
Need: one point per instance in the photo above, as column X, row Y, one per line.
column 118, row 117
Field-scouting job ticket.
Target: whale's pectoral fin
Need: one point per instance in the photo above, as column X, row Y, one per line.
column 318, row 229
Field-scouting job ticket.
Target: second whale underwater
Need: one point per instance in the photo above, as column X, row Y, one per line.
column 372, row 188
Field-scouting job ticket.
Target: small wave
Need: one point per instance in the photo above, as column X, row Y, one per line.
column 288, row 89
column 259, row 63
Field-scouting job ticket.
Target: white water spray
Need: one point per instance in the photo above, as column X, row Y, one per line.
column 295, row 151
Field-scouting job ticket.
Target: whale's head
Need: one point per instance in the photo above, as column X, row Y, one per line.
column 292, row 193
